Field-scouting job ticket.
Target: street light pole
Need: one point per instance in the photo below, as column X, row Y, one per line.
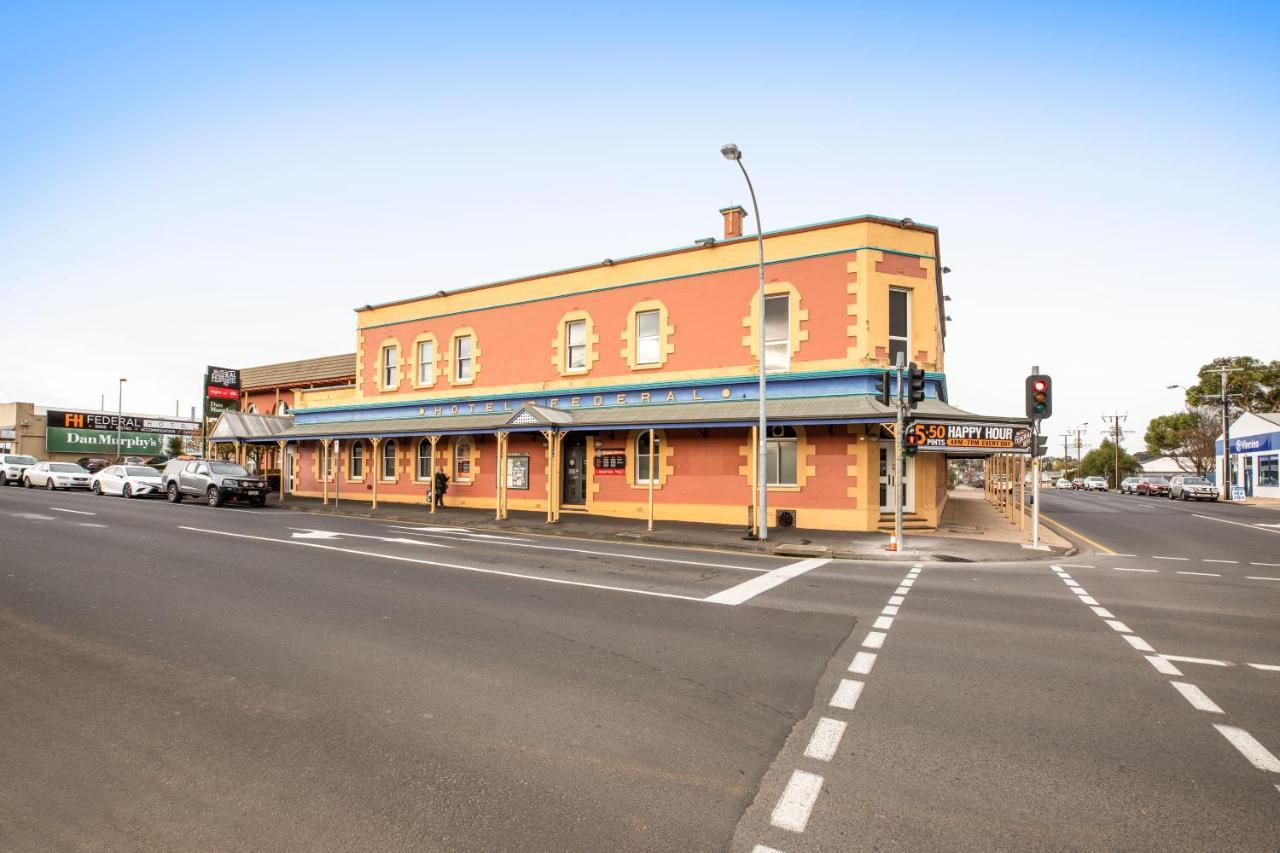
column 1226, row 478
column 119, row 418
column 732, row 152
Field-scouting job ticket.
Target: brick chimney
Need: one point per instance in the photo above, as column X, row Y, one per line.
column 733, row 217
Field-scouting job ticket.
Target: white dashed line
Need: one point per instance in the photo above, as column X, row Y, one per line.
column 1238, row 523
column 890, row 610
column 902, row 590
column 1076, row 566
column 883, row 623
column 91, row 524
column 749, row 589
column 874, row 639
column 72, row 511
column 907, row 583
column 760, row 848
column 1080, row 591
column 1089, row 600
column 1138, row 643
column 896, row 600
column 1071, row 583
column 1205, row 661
column 1202, row 574
column 792, row 810
column 826, row 739
column 1269, row 667
column 1249, row 747
column 1148, row 571
column 1264, row 564
column 1123, row 555
column 1163, row 666
column 862, row 663
column 1256, row 578
column 1196, row 697
column 1103, row 612
column 1118, row 626
column 1157, row 557
column 846, row 695
column 1232, row 562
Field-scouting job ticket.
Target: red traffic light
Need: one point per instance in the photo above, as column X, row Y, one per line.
column 1040, row 385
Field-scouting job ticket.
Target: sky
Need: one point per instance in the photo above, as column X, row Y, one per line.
column 223, row 183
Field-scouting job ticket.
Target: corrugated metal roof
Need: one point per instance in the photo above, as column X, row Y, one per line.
column 242, row 425
column 304, row 372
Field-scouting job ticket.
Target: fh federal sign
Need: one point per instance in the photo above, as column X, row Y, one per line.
column 95, row 432
column 221, row 391
column 990, row 438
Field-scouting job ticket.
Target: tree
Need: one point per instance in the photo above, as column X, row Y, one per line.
column 1101, row 462
column 174, row 445
column 1187, row 437
column 1257, row 383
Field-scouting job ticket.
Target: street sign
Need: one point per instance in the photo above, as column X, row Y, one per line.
column 996, row 438
column 1237, row 493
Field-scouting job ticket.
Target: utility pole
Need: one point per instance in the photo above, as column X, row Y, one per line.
column 1117, row 420
column 1224, row 486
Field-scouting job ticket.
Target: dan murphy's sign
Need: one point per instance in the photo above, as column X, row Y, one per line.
column 91, row 433
column 221, row 391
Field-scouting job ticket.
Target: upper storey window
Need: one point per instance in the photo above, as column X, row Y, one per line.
column 777, row 332
column 648, row 337
column 899, row 324
column 463, row 353
column 390, row 367
column 575, row 350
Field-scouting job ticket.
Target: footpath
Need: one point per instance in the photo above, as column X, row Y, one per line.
column 971, row 531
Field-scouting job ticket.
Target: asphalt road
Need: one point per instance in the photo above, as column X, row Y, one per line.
column 181, row 677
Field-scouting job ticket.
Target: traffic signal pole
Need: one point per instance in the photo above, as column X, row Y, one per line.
column 899, row 468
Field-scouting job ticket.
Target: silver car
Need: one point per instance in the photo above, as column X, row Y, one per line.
column 55, row 475
column 1188, row 488
column 12, row 467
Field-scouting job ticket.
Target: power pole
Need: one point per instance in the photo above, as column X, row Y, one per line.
column 1117, row 420
column 1224, row 486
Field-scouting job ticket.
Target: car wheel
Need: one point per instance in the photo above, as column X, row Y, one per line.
column 260, row 501
column 175, row 496
column 128, row 491
column 97, row 488
column 48, row 484
column 214, row 496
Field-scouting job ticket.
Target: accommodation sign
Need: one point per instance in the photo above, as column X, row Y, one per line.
column 994, row 438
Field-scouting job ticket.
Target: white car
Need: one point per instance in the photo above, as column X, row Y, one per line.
column 130, row 481
column 1063, row 483
column 55, row 475
column 12, row 467
column 1095, row 484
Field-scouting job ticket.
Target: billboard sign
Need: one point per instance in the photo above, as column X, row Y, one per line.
column 221, row 391
column 91, row 433
column 993, row 438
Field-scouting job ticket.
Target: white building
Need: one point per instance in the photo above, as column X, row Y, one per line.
column 1255, row 454
column 1167, row 466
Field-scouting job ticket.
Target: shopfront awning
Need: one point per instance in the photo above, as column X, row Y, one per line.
column 244, row 427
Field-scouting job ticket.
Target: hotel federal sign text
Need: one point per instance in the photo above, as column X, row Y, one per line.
column 95, row 432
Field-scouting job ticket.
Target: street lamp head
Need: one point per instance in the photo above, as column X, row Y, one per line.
column 1171, row 387
column 731, row 152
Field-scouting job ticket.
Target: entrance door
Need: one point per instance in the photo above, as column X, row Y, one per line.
column 887, row 478
column 1248, row 476
column 574, row 450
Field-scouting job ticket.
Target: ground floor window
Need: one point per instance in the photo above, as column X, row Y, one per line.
column 357, row 460
column 643, row 474
column 780, row 458
column 389, row 460
column 462, row 460
column 1269, row 471
column 424, row 459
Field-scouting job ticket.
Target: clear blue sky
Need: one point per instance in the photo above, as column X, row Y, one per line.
column 1106, row 181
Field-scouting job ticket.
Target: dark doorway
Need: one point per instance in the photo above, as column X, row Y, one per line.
column 575, row 470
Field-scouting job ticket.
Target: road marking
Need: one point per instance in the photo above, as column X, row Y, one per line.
column 890, row 610
column 1232, row 562
column 1163, row 666
column 1103, row 612
column 439, row 564
column 902, row 590
column 792, row 810
column 1158, row 557
column 594, row 553
column 1205, row 661
column 1147, row 571
column 1249, row 747
column 1138, row 643
column 874, row 639
column 883, row 623
column 1264, row 564
column 307, row 533
column 1097, row 545
column 454, row 532
column 760, row 848
column 1119, row 626
column 1202, row 574
column 1196, row 697
column 1269, row 667
column 1079, row 590
column 1237, row 523
column 1070, row 582
column 862, row 663
column 826, row 739
column 74, row 511
column 896, row 600
column 907, row 583
column 1089, row 599
column 749, row 589
column 1075, row 566
column 1118, row 554
column 846, row 695
column 91, row 524
column 33, row 516
column 1257, row 578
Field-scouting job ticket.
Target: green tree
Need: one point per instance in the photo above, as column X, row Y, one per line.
column 1185, row 436
column 1101, row 462
column 1256, row 383
column 174, row 445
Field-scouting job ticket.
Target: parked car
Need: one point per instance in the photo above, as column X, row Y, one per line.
column 55, row 475
column 1095, row 484
column 92, row 464
column 1129, row 485
column 12, row 467
column 216, row 482
column 1153, row 487
column 1077, row 483
column 1188, row 488
column 1063, row 483
column 126, row 480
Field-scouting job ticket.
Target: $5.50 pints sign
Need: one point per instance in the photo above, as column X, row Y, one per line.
column 1003, row 438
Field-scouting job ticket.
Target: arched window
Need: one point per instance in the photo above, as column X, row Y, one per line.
column 389, row 459
column 781, row 456
column 282, row 408
column 252, row 408
column 643, row 475
column 424, row 459
column 462, row 460
column 356, row 466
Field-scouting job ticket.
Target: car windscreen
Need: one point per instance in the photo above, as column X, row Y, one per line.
column 1194, row 481
column 66, row 468
column 141, row 472
column 1156, row 481
column 20, row 460
column 228, row 468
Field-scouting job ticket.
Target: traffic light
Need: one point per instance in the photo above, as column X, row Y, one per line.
column 1039, row 397
column 881, row 388
column 911, row 442
column 915, row 385
column 1041, row 446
